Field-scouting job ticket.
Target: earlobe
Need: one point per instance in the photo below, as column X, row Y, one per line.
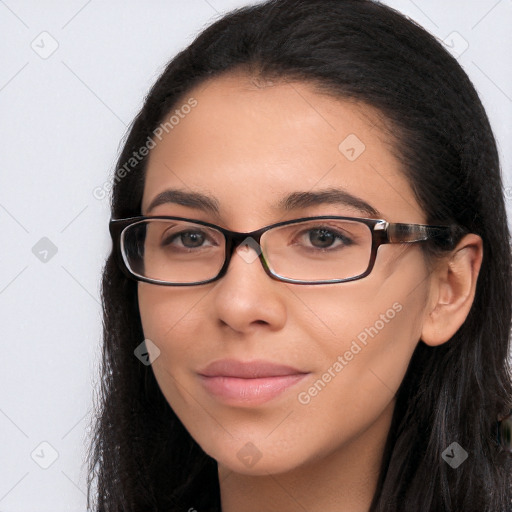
column 452, row 291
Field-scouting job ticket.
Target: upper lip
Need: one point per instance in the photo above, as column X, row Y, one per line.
column 247, row 370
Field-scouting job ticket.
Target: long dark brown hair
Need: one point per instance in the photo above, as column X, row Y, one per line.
column 141, row 457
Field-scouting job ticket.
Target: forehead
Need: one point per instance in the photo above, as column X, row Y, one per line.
column 248, row 144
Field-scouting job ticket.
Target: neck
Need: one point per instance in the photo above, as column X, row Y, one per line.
column 343, row 480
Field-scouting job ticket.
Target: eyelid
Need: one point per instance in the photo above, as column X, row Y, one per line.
column 279, row 221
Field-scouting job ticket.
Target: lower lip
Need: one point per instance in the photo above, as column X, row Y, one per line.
column 249, row 391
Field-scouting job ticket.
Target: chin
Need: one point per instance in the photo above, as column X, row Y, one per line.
column 249, row 458
column 260, row 468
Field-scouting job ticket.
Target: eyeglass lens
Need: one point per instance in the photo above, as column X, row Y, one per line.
column 176, row 251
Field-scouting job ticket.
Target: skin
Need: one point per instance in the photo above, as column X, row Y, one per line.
column 248, row 145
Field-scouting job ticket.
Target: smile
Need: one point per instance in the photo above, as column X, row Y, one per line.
column 249, row 384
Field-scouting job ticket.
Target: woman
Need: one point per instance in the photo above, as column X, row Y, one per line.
column 308, row 303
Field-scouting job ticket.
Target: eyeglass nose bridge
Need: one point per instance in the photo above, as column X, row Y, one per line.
column 251, row 240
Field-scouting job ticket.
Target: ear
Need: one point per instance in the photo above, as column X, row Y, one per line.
column 452, row 291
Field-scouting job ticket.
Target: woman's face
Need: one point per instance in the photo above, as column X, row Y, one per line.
column 249, row 146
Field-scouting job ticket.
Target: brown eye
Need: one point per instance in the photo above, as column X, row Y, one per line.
column 188, row 239
column 324, row 238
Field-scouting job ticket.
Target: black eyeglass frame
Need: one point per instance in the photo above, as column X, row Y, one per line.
column 383, row 232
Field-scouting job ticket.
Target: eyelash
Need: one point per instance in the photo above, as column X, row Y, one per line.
column 337, row 236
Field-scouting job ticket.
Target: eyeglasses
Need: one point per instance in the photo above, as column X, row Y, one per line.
column 176, row 251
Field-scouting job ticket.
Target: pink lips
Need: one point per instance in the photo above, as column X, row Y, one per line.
column 250, row 383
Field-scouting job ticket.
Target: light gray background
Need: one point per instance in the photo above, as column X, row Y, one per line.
column 62, row 119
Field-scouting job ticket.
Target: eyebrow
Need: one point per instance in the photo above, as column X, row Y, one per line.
column 297, row 200
column 291, row 202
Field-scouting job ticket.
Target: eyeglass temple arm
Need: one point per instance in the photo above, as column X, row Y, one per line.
column 407, row 233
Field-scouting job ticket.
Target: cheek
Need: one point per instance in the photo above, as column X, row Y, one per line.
column 365, row 362
column 165, row 311
column 366, row 334
column 174, row 320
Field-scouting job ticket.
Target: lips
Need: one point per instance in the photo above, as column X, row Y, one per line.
column 248, row 383
column 247, row 370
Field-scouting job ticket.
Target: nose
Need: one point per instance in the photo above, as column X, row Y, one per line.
column 246, row 295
